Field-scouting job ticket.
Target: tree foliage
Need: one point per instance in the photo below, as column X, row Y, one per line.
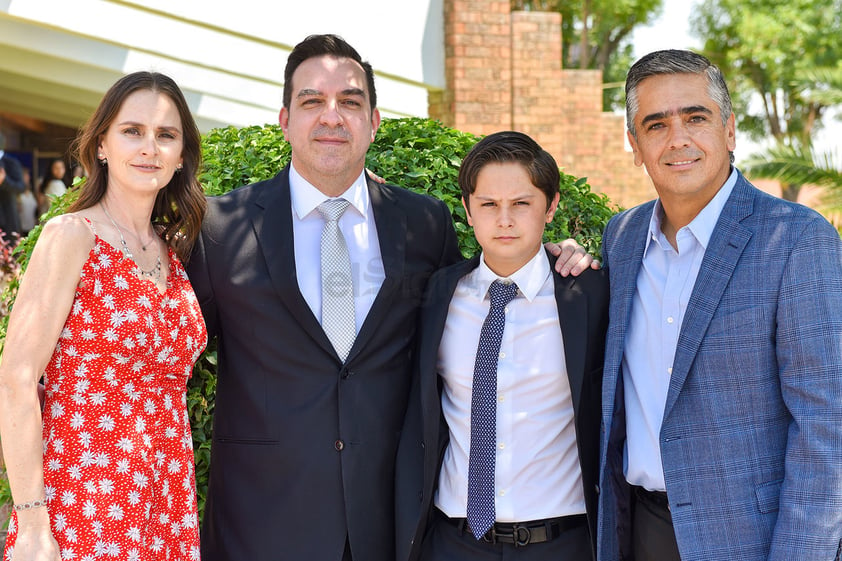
column 774, row 54
column 802, row 165
column 596, row 34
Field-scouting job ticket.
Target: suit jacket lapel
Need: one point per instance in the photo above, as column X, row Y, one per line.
column 724, row 249
column 624, row 266
column 434, row 313
column 572, row 313
column 272, row 223
column 390, row 221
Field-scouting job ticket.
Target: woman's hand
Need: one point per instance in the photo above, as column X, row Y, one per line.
column 35, row 541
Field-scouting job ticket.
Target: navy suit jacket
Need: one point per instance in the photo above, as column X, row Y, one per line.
column 582, row 310
column 303, row 445
column 751, row 441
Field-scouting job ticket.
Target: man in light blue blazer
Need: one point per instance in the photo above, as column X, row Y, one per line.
column 722, row 391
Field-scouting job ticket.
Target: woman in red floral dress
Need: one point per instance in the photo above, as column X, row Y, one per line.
column 106, row 314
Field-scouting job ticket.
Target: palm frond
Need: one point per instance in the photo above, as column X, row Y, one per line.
column 821, row 85
column 798, row 166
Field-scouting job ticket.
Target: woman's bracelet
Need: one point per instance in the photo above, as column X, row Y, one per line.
column 31, row 504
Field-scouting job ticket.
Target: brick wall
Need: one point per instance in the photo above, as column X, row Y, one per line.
column 478, row 65
column 504, row 71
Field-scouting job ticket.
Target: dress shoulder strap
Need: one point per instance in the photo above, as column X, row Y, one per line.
column 90, row 225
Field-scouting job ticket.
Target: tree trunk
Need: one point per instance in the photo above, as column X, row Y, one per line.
column 790, row 191
column 585, row 50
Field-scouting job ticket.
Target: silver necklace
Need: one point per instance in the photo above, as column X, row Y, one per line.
column 154, row 272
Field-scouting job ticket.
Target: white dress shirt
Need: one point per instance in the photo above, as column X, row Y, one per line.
column 356, row 224
column 537, row 472
column 664, row 285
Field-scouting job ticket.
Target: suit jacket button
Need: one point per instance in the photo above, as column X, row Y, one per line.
column 339, row 445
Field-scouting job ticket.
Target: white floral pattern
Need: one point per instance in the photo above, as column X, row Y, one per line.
column 118, row 456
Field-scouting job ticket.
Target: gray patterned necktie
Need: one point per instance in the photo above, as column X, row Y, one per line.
column 338, row 319
column 481, row 461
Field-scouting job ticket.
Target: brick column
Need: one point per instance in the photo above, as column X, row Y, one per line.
column 478, row 55
column 537, row 78
column 503, row 71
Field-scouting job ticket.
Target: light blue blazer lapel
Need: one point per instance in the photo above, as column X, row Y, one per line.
column 629, row 233
column 724, row 249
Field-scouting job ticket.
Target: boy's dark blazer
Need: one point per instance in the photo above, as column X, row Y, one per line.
column 583, row 317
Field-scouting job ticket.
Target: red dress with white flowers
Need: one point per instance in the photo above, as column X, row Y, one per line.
column 118, row 456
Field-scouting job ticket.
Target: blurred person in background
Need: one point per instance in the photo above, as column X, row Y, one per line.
column 11, row 185
column 77, row 172
column 52, row 185
column 27, row 205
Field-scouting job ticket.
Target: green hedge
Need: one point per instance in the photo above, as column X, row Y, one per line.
column 418, row 154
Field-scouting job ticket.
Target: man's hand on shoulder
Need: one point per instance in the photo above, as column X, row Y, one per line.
column 374, row 176
column 572, row 257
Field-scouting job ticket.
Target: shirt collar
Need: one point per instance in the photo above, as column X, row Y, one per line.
column 529, row 278
column 703, row 224
column 305, row 197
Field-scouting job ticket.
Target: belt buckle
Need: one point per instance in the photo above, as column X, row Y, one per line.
column 490, row 536
column 521, row 535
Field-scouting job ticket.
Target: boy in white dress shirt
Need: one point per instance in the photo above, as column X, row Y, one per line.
column 509, row 434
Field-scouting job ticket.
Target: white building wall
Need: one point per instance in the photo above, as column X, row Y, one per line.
column 57, row 57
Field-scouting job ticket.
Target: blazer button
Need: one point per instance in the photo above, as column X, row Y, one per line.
column 339, row 445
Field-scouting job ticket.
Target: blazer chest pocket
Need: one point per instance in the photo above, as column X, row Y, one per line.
column 769, row 496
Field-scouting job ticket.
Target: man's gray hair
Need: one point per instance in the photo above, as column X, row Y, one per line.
column 675, row 62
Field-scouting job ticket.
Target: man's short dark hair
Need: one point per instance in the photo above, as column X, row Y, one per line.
column 510, row 146
column 325, row 45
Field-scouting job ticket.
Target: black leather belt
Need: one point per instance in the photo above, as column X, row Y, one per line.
column 655, row 498
column 523, row 533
